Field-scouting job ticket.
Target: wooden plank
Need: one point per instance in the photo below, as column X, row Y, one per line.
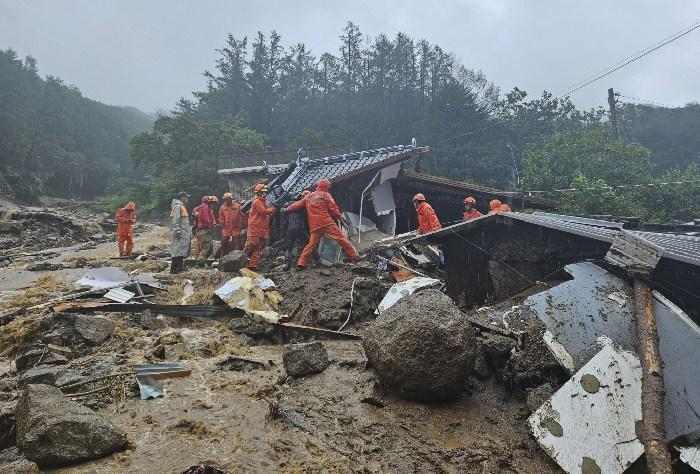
column 318, row 331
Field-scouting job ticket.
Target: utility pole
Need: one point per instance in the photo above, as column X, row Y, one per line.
column 613, row 112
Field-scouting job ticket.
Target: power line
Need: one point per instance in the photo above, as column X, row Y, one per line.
column 627, row 58
column 645, row 101
column 633, row 59
column 596, row 77
column 606, row 186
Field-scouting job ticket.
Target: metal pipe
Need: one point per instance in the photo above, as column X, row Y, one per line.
column 362, row 199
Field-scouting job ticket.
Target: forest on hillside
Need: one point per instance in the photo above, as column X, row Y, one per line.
column 389, row 90
column 55, row 141
column 263, row 93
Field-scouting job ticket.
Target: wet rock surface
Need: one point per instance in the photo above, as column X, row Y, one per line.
column 7, row 424
column 423, row 348
column 48, row 375
column 77, row 331
column 304, row 359
column 53, row 430
column 233, row 262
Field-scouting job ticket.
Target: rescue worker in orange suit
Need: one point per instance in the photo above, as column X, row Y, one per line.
column 126, row 217
column 205, row 223
column 470, row 211
column 497, row 206
column 427, row 219
column 258, row 226
column 230, row 220
column 322, row 212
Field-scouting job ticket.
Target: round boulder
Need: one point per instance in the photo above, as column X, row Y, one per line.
column 423, row 347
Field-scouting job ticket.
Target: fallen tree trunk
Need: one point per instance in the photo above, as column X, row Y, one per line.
column 653, row 391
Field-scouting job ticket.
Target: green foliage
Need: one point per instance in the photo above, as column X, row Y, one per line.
column 592, row 152
column 184, row 154
column 609, row 177
column 55, row 141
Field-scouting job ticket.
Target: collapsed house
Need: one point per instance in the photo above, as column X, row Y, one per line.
column 375, row 184
column 588, row 313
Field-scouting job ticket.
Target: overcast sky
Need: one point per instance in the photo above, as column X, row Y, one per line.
column 147, row 53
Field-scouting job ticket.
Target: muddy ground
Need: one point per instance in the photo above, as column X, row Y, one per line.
column 254, row 418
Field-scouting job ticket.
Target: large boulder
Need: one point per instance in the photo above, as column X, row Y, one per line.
column 233, row 261
column 41, row 355
column 423, row 347
column 53, row 430
column 304, row 359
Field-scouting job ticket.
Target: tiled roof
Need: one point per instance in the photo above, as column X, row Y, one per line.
column 305, row 173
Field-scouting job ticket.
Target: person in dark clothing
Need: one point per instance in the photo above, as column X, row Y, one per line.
column 297, row 231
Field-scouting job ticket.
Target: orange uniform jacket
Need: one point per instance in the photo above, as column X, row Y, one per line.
column 230, row 219
column 259, row 218
column 321, row 209
column 126, row 217
column 427, row 219
column 468, row 215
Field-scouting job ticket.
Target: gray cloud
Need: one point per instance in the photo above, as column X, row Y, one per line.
column 149, row 53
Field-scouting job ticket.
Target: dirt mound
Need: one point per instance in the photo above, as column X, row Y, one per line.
column 324, row 295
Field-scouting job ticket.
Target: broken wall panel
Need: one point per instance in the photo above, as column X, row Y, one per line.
column 596, row 306
column 589, row 424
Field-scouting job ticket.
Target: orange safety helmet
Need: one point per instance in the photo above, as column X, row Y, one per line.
column 228, row 196
column 213, row 199
column 130, row 205
column 495, row 204
column 261, row 188
column 305, row 193
column 323, row 185
column 418, row 197
column 469, row 200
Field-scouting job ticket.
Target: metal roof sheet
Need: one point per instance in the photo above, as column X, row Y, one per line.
column 683, row 248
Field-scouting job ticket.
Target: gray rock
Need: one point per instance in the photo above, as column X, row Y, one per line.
column 12, row 461
column 53, row 430
column 481, row 367
column 37, row 356
column 94, row 329
column 48, row 375
column 423, row 348
column 233, row 262
column 7, row 424
column 78, row 331
column 304, row 359
column 43, row 267
column 538, row 395
column 497, row 346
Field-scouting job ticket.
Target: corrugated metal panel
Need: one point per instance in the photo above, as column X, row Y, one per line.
column 684, row 248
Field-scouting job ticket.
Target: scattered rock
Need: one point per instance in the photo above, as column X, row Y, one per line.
column 248, row 327
column 43, row 267
column 53, row 430
column 12, row 461
column 7, row 425
column 538, row 395
column 40, row 355
column 481, row 367
column 78, row 331
column 422, row 348
column 497, row 346
column 304, row 359
column 233, row 261
column 48, row 375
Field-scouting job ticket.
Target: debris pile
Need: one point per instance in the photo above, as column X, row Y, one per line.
column 339, row 367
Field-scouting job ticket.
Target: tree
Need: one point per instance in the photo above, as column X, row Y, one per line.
column 184, row 154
